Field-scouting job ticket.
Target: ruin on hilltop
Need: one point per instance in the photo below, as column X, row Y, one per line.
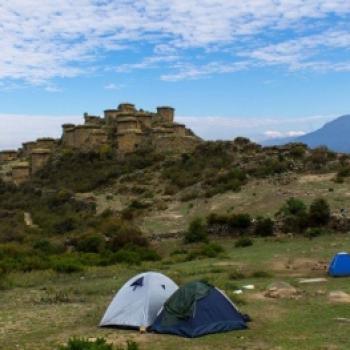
column 124, row 129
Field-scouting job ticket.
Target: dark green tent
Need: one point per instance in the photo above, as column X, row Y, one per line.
column 197, row 309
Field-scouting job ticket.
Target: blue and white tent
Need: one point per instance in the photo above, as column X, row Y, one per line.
column 197, row 309
column 340, row 265
column 138, row 302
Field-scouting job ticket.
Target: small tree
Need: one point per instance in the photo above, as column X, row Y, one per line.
column 196, row 232
column 294, row 215
column 264, row 227
column 319, row 213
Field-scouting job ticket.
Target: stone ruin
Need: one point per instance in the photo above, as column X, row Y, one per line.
column 124, row 129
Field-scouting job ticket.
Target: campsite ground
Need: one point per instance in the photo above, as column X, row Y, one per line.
column 41, row 310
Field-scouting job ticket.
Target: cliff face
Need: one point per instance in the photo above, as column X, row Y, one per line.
column 123, row 129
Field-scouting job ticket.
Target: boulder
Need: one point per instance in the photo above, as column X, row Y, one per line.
column 339, row 297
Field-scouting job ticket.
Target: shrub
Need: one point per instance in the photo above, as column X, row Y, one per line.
column 313, row 232
column 298, row 150
column 67, row 265
column 85, row 344
column 216, row 219
column 65, row 225
column 236, row 275
column 261, row 274
column 45, row 246
column 211, row 250
column 264, row 227
column 91, row 243
column 243, row 242
column 319, row 213
column 344, row 171
column 126, row 256
column 240, row 221
column 196, row 232
column 294, row 215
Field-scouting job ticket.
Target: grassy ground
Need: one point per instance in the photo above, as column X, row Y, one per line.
column 258, row 197
column 43, row 309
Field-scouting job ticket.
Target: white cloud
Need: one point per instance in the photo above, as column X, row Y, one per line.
column 112, row 86
column 274, row 134
column 67, row 38
column 16, row 129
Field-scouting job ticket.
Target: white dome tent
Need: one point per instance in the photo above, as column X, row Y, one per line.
column 138, row 302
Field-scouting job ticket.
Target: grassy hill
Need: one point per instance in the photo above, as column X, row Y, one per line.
column 89, row 221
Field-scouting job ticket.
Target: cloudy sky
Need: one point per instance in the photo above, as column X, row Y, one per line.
column 258, row 68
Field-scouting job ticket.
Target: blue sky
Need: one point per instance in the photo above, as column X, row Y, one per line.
column 258, row 68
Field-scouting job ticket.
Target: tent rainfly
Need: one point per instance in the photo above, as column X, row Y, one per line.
column 197, row 309
column 340, row 265
column 138, row 302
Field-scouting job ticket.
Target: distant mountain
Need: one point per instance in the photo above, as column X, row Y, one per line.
column 335, row 135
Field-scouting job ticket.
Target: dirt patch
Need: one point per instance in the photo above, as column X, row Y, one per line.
column 315, row 178
column 282, row 290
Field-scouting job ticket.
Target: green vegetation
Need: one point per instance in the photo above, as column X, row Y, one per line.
column 98, row 344
column 196, row 232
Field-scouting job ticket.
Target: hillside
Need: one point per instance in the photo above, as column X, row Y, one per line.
column 233, row 213
column 334, row 135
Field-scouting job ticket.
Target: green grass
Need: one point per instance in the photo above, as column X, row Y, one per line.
column 42, row 310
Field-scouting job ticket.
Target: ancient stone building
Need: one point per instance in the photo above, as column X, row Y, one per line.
column 123, row 129
column 127, row 128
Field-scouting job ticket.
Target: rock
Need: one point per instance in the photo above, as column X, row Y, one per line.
column 249, row 287
column 342, row 319
column 312, row 280
column 238, row 291
column 282, row 290
column 339, row 297
column 320, row 266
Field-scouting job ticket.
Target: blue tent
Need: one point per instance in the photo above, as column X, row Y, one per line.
column 197, row 309
column 340, row 265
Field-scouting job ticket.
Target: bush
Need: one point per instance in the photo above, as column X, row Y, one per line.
column 240, row 221
column 121, row 235
column 65, row 225
column 261, row 274
column 84, row 344
column 243, row 242
column 264, row 227
column 67, row 265
column 236, row 275
column 211, row 250
column 313, row 232
column 319, row 213
column 294, row 215
column 45, row 246
column 91, row 243
column 196, row 232
column 98, row 344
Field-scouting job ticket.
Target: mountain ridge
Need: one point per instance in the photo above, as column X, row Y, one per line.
column 334, row 135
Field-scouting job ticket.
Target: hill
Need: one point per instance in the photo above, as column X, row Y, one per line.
column 334, row 135
column 88, row 221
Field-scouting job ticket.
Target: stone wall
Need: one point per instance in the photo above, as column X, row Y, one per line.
column 128, row 141
column 46, row 143
column 8, row 156
column 39, row 157
column 175, row 144
column 166, row 114
column 27, row 148
column 127, row 123
column 20, row 173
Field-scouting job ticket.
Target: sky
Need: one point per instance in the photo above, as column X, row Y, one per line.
column 255, row 68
